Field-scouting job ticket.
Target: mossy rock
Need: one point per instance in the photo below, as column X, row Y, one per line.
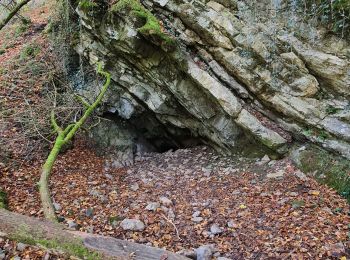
column 151, row 28
column 327, row 168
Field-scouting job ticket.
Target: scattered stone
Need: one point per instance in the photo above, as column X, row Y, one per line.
column 205, row 252
column 196, row 214
column 89, row 212
column 108, row 176
column 293, row 194
column 223, row 258
column 197, row 219
column 3, row 234
column 231, row 224
column 165, row 201
column 215, row 229
column 72, row 224
column 263, row 160
column 16, row 258
column 21, row 247
column 301, row 175
column 171, row 214
column 207, row 172
column 276, row 175
column 153, row 206
column 57, row 206
column 90, row 229
column 187, row 253
column 134, row 187
column 132, row 225
column 2, row 255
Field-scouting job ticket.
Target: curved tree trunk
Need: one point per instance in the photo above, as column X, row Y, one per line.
column 13, row 13
column 63, row 137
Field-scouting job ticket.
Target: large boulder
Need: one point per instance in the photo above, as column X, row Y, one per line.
column 220, row 72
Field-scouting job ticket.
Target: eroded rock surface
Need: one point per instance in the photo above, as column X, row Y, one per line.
column 221, row 72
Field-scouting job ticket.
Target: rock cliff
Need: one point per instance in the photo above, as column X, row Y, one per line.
column 228, row 73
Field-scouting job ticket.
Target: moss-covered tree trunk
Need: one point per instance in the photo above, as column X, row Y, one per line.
column 63, row 137
column 13, row 13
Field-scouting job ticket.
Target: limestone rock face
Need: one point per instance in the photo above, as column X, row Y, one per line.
column 221, row 71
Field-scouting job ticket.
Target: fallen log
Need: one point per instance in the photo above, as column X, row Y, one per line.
column 83, row 245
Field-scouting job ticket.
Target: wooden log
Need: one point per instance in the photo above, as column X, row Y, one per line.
column 54, row 235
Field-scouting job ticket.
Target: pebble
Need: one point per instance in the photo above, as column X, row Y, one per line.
column 134, row 187
column 231, row 224
column 153, row 206
column 57, row 206
column 171, row 214
column 89, row 212
column 187, row 253
column 165, row 201
column 2, row 255
column 196, row 214
column 205, row 252
column 72, row 224
column 215, row 229
column 276, row 175
column 197, row 219
column 132, row 224
column 20, row 247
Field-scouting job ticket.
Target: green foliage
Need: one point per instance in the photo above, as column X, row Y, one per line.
column 151, row 28
column 3, row 200
column 335, row 14
column 330, row 110
column 29, row 51
column 87, row 5
column 330, row 170
column 22, row 27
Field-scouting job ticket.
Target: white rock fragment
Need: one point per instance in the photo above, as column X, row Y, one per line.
column 132, row 225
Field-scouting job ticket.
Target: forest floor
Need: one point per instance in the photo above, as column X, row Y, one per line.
column 244, row 208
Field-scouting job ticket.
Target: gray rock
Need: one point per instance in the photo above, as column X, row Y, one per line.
column 197, row 219
column 187, row 253
column 3, row 234
column 196, row 214
column 276, row 175
column 72, row 224
column 21, row 247
column 223, row 258
column 89, row 212
column 153, row 206
column 165, row 201
column 231, row 224
column 134, row 187
column 215, row 229
column 2, row 255
column 132, row 225
column 205, row 252
column 57, row 206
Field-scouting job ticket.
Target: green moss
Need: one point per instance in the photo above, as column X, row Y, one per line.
column 75, row 248
column 29, row 51
column 329, row 169
column 3, row 200
column 151, row 28
column 86, row 5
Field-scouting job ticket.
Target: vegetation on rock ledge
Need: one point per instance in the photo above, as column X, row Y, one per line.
column 152, row 28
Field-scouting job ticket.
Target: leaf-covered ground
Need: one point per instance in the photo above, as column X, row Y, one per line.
column 246, row 208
